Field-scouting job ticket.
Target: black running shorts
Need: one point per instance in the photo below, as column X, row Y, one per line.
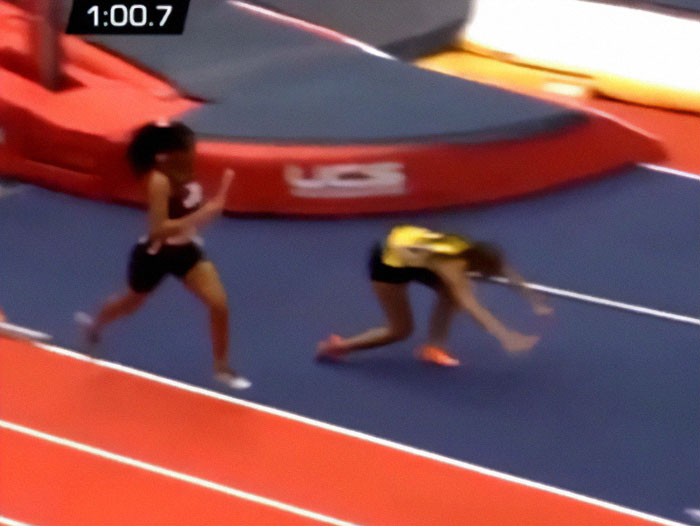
column 147, row 270
column 380, row 271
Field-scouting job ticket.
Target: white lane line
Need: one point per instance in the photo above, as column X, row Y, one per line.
column 6, row 521
column 671, row 171
column 17, row 331
column 172, row 474
column 6, row 190
column 602, row 301
column 358, row 435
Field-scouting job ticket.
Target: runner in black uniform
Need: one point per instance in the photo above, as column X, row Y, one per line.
column 442, row 262
column 165, row 155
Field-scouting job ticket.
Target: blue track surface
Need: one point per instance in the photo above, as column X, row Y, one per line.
column 606, row 405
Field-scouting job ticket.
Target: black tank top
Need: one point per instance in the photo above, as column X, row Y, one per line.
column 185, row 200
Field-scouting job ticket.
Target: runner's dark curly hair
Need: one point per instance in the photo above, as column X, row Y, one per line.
column 152, row 139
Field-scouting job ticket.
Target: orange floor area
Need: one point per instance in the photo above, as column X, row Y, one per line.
column 45, row 483
column 678, row 131
column 226, row 443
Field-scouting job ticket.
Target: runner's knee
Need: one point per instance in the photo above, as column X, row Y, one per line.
column 217, row 302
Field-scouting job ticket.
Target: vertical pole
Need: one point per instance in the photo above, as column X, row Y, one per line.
column 47, row 42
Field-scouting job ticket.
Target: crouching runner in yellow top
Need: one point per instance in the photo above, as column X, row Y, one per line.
column 442, row 262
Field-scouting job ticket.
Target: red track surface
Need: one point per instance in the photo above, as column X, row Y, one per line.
column 51, row 484
column 240, row 447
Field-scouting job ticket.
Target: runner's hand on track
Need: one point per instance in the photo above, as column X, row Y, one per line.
column 542, row 310
column 514, row 341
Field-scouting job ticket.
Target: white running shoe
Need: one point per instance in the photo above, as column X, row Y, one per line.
column 83, row 319
column 91, row 340
column 695, row 514
column 232, row 380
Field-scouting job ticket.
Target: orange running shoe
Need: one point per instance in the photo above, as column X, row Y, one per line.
column 330, row 350
column 431, row 354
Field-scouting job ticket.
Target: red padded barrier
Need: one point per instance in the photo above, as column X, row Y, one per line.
column 74, row 140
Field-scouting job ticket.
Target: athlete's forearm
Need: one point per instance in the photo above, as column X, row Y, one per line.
column 535, row 299
column 488, row 321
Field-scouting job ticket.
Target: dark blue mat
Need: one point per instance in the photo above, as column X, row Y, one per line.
column 606, row 405
column 269, row 81
column 405, row 28
column 679, row 6
column 687, row 5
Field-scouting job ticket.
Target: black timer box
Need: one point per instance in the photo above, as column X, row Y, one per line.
column 124, row 17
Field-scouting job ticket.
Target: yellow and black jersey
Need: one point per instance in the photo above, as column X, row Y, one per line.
column 405, row 254
column 408, row 246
